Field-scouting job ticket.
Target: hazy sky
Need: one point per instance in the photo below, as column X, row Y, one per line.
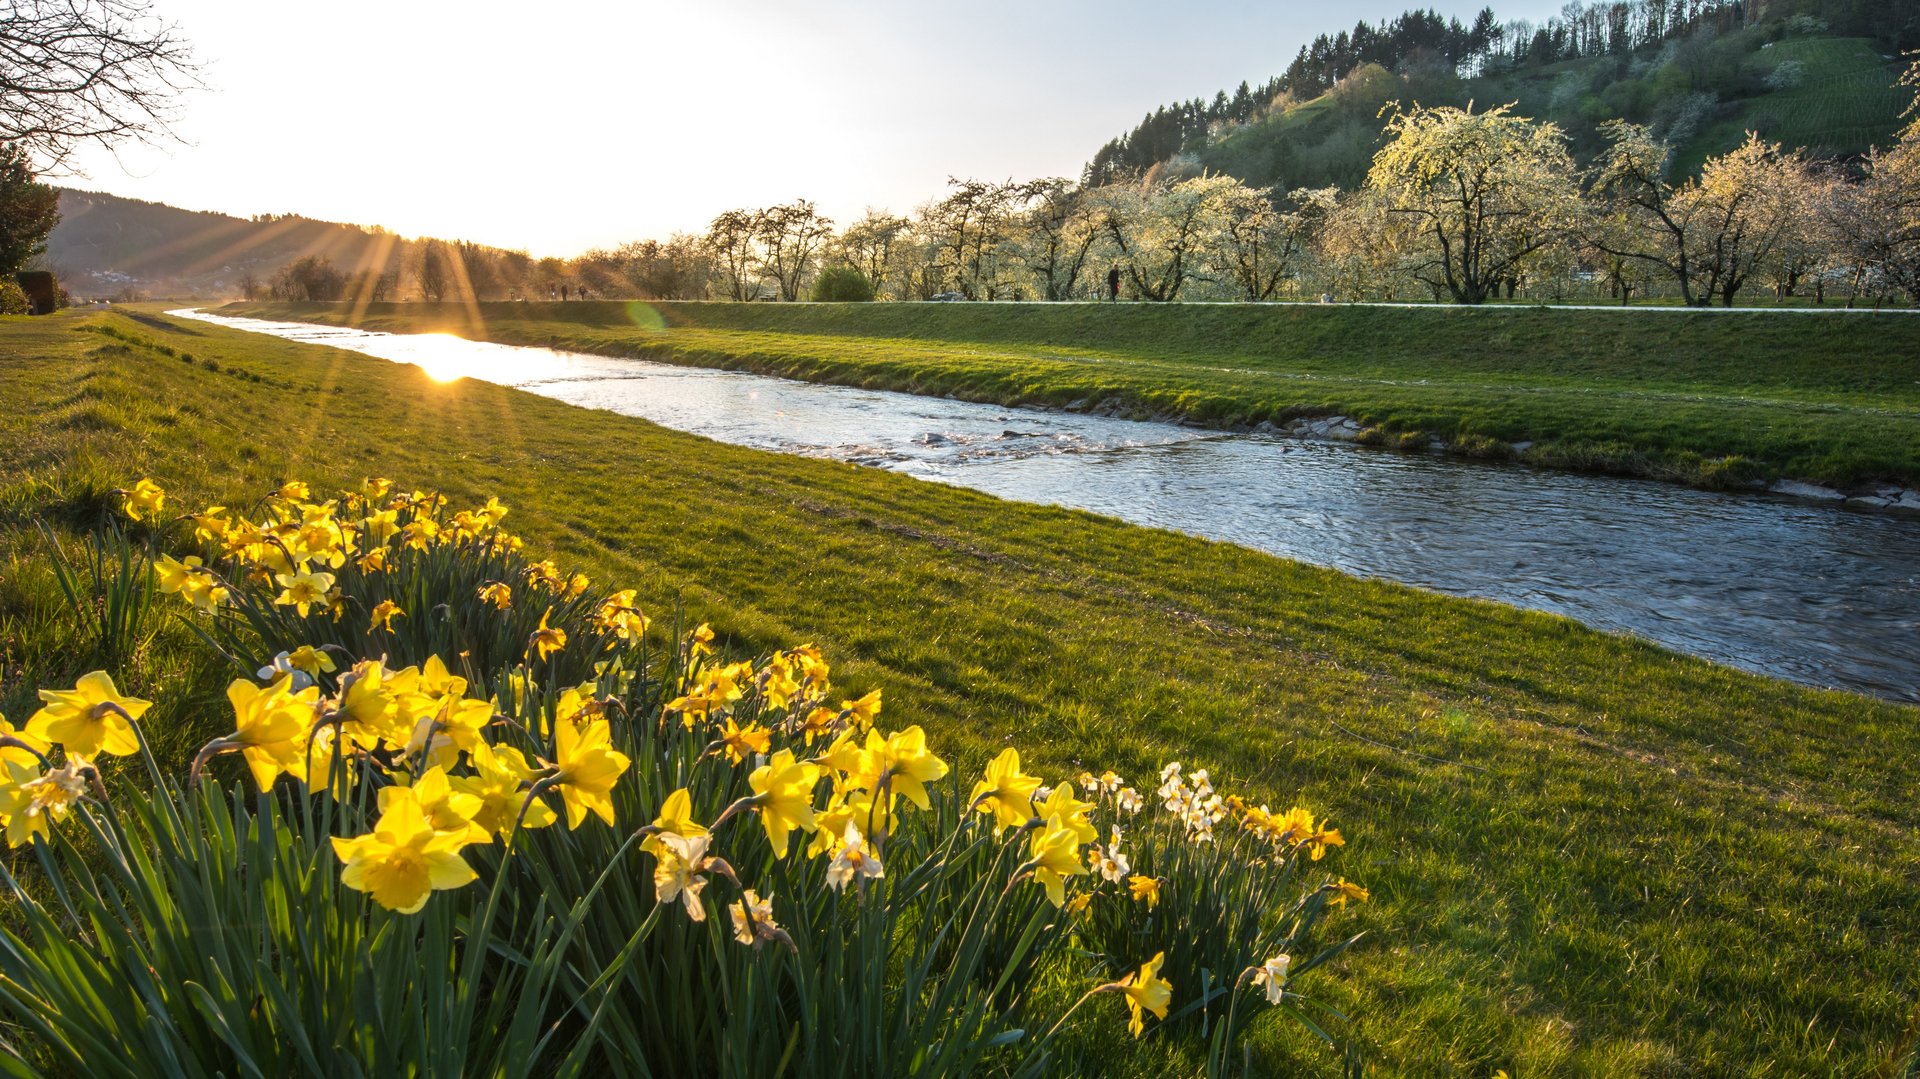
column 565, row 124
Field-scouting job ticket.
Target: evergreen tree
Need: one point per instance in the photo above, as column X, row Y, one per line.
column 28, row 210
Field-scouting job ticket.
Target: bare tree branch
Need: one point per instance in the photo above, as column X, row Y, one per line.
column 80, row 72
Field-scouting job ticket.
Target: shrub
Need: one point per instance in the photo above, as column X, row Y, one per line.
column 13, row 301
column 440, row 862
column 1787, row 75
column 842, row 284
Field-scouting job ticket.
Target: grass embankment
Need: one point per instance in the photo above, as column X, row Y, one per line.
column 1708, row 399
column 1588, row 855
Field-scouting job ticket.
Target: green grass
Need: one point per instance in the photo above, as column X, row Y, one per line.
column 1849, row 102
column 1702, row 398
column 1588, row 855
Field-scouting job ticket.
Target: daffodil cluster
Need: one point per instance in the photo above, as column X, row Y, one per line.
column 428, row 704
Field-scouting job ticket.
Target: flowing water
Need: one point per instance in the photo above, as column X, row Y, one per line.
column 1821, row 595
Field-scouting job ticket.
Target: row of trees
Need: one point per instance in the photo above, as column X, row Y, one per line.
column 1459, row 205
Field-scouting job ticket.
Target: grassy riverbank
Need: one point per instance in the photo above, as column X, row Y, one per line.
column 1588, row 855
column 1708, row 398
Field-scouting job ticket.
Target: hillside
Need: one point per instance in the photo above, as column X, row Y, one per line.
column 1799, row 82
column 110, row 247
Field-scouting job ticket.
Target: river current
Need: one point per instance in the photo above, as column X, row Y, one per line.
column 1821, row 595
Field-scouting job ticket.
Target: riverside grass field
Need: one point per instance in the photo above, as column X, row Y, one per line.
column 1587, row 855
column 1720, row 399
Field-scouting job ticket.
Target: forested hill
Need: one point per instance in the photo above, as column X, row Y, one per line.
column 106, row 245
column 113, row 247
column 1818, row 74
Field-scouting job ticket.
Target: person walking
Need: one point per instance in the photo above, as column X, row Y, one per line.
column 1113, row 284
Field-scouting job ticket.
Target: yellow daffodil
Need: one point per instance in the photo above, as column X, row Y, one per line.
column 448, row 809
column 404, row 859
column 676, row 818
column 544, row 573
column 1144, row 889
column 498, row 594
column 271, row 723
column 700, row 641
column 303, row 589
column 440, row 727
column 714, row 691
column 1006, row 791
column 381, row 526
column 494, row 511
column 1296, row 828
column 1060, row 804
column 783, row 793
column 588, row 768
column 375, row 488
column 846, row 806
column 900, row 762
column 90, row 718
column 384, row 613
column 547, row 639
column 294, row 491
column 1055, row 857
column 367, row 707
column 1146, row 991
column 208, row 525
column 29, row 801
column 743, row 742
column 1343, row 891
column 813, row 666
column 1321, row 838
column 676, row 815
column 863, row 712
column 420, row 533
column 172, row 575
column 144, row 501
column 499, row 782
column 17, row 769
column 778, row 685
column 192, row 580
column 820, row 723
column 436, row 679
column 312, row 660
column 465, row 526
column 206, row 593
column 618, row 615
column 21, row 753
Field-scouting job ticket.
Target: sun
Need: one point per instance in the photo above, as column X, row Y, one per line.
column 446, row 358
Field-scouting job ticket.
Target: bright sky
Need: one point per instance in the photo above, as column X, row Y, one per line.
column 560, row 125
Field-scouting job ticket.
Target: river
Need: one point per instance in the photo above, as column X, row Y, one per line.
column 1822, row 595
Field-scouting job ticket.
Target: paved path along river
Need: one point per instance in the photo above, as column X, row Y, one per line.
column 1817, row 594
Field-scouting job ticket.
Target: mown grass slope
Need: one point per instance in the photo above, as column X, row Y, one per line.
column 1588, row 855
column 1704, row 398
